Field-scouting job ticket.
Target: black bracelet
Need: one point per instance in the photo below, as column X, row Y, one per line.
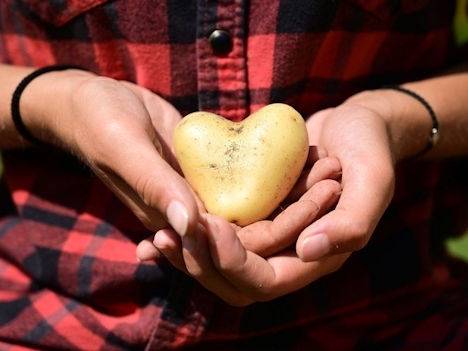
column 15, row 100
column 434, row 133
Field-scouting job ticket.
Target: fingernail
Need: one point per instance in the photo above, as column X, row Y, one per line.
column 315, row 247
column 146, row 251
column 159, row 241
column 178, row 217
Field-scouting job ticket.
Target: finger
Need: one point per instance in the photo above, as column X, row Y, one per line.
column 146, row 251
column 266, row 238
column 324, row 193
column 169, row 244
column 365, row 196
column 151, row 218
column 243, row 268
column 262, row 279
column 199, row 264
column 263, row 238
column 324, row 168
column 315, row 154
column 137, row 162
column 293, row 274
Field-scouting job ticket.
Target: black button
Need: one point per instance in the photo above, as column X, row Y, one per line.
column 220, row 42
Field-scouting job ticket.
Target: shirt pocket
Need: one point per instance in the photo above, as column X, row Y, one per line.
column 59, row 12
column 387, row 10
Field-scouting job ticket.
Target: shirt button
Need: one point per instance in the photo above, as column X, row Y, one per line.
column 220, row 42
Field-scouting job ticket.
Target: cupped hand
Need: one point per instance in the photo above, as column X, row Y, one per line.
column 124, row 133
column 257, row 262
column 359, row 138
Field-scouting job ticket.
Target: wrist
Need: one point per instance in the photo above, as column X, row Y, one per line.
column 406, row 119
column 45, row 102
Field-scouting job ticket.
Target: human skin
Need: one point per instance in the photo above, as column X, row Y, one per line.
column 364, row 138
column 88, row 116
column 369, row 134
column 390, row 127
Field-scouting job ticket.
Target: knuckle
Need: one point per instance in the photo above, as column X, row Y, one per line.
column 312, row 207
column 270, row 239
column 331, row 164
column 96, row 85
column 147, row 189
column 328, row 186
column 113, row 130
column 96, row 88
column 323, row 190
column 321, row 163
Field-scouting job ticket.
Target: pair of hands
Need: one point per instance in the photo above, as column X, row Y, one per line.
column 325, row 221
column 124, row 133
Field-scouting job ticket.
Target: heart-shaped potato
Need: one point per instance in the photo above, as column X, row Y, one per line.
column 242, row 171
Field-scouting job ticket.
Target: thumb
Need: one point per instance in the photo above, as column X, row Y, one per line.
column 162, row 188
column 156, row 184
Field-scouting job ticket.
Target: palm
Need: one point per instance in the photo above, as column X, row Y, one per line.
column 358, row 137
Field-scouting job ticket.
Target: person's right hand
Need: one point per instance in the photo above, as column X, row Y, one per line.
column 124, row 133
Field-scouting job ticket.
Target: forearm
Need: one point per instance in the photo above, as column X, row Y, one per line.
column 409, row 122
column 448, row 96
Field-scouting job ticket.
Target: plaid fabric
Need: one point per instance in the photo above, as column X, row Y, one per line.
column 68, row 274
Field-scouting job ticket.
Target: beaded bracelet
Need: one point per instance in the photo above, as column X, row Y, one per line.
column 15, row 100
column 433, row 137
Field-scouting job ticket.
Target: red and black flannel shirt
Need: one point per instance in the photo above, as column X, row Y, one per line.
column 68, row 274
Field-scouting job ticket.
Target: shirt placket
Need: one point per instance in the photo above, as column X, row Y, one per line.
column 222, row 89
column 221, row 73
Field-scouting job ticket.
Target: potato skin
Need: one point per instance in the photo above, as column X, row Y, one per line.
column 242, row 171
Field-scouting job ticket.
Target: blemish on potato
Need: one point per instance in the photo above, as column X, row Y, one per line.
column 237, row 130
column 220, row 160
column 231, row 149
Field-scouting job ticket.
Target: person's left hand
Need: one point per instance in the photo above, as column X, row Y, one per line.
column 358, row 134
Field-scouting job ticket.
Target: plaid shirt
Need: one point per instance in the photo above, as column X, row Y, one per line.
column 68, row 274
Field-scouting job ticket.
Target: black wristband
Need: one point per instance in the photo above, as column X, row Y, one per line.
column 434, row 133
column 15, row 100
